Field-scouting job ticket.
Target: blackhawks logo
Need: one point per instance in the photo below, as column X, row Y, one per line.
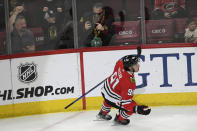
column 132, row 79
column 27, row 72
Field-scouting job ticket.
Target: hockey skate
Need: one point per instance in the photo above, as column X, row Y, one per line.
column 118, row 122
column 101, row 116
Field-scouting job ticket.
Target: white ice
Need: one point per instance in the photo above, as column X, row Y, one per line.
column 179, row 118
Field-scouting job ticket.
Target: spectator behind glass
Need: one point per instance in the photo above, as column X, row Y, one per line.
column 19, row 4
column 22, row 39
column 52, row 21
column 97, row 27
column 17, row 11
column 169, row 9
column 56, row 7
column 191, row 31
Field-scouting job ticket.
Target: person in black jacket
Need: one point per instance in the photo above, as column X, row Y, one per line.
column 52, row 21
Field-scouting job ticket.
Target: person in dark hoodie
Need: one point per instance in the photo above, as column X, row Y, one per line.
column 52, row 14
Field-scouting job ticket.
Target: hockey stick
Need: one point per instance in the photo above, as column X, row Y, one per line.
column 85, row 94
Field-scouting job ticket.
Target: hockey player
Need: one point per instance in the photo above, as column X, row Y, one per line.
column 118, row 88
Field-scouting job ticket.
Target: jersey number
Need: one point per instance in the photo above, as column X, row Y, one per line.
column 114, row 80
column 130, row 92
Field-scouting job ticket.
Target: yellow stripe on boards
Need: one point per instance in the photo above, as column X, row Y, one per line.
column 162, row 99
column 6, row 111
column 41, row 107
column 94, row 103
column 165, row 99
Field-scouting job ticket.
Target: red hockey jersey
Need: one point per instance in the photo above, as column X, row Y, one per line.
column 119, row 87
column 169, row 5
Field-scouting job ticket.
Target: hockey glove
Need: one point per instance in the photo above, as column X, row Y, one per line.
column 143, row 110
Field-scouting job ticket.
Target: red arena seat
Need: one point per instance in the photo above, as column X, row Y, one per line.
column 159, row 31
column 180, row 25
column 127, row 32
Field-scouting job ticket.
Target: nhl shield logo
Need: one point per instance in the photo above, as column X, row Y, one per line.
column 27, row 72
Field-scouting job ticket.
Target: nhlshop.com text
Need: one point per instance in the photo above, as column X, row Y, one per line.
column 35, row 92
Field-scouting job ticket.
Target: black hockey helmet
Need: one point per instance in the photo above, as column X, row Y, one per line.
column 131, row 60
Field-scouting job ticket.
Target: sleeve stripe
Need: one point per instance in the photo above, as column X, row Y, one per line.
column 105, row 108
column 123, row 114
column 118, row 96
column 110, row 93
column 126, row 101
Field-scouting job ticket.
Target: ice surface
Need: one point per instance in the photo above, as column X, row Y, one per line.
column 179, row 118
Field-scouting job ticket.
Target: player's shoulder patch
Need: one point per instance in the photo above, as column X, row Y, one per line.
column 132, row 79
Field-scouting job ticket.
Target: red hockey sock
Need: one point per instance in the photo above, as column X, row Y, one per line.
column 105, row 108
column 120, row 118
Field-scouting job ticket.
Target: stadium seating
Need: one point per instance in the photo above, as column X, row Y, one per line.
column 127, row 32
column 160, row 31
column 180, row 25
